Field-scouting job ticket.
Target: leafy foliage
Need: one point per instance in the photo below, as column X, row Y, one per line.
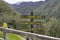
column 50, row 10
column 52, row 27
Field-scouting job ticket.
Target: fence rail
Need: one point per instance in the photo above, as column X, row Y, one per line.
column 31, row 36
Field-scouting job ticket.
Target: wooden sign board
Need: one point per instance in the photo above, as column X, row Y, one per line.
column 30, row 22
column 29, row 16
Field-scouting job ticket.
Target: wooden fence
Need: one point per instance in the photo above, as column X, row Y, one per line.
column 31, row 36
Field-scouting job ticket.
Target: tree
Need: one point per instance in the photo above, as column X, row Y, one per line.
column 49, row 26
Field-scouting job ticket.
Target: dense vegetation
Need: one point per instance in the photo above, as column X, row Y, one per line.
column 8, row 14
column 49, row 9
column 51, row 24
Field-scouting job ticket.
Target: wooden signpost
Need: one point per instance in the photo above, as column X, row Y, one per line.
column 32, row 17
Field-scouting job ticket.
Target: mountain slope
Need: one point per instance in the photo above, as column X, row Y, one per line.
column 8, row 13
column 26, row 7
column 49, row 9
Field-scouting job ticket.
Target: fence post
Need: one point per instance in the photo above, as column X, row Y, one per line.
column 5, row 35
column 27, row 38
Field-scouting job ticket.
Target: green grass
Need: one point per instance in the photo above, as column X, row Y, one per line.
column 11, row 36
column 1, row 35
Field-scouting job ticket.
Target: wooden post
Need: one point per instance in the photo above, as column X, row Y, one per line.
column 5, row 36
column 31, row 21
column 27, row 38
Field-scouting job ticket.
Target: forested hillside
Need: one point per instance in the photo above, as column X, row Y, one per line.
column 51, row 11
column 51, row 24
column 8, row 14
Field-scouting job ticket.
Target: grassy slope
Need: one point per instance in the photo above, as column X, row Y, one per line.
column 11, row 36
column 14, row 37
column 1, row 34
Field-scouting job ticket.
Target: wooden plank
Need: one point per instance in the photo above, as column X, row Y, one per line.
column 35, row 16
column 29, row 23
column 5, row 35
